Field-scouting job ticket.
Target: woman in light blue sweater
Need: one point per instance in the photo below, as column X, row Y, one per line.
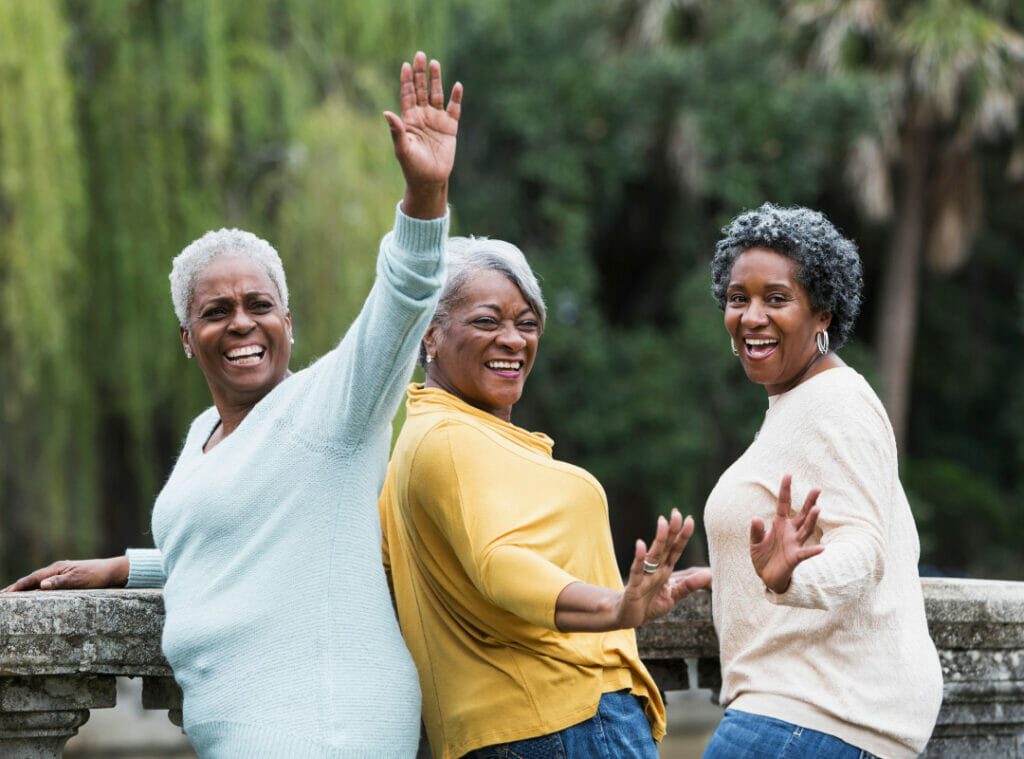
column 279, row 625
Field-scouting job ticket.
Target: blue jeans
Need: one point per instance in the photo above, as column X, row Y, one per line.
column 619, row 730
column 750, row 736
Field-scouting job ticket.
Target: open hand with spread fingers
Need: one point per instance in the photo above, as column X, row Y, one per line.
column 777, row 551
column 424, row 136
column 654, row 588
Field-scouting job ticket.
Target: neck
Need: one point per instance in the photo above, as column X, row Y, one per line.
column 820, row 363
column 503, row 413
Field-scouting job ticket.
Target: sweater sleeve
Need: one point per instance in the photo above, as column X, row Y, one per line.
column 357, row 387
column 847, row 450
column 145, row 568
column 470, row 488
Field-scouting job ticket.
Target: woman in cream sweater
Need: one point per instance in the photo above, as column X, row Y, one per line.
column 825, row 650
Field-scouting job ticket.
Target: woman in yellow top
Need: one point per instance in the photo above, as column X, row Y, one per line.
column 501, row 558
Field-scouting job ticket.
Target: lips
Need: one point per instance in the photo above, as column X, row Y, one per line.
column 760, row 347
column 505, row 367
column 245, row 355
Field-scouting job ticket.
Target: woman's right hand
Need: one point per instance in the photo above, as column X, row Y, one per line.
column 68, row 575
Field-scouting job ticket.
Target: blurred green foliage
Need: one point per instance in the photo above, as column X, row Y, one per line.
column 610, row 140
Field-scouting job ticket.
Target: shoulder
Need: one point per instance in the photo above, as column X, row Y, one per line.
column 839, row 396
column 842, row 416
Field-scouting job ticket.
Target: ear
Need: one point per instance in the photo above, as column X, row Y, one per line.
column 183, row 333
column 288, row 323
column 431, row 338
column 825, row 319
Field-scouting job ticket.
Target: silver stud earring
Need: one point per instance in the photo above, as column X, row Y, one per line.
column 188, row 352
column 429, row 358
column 821, row 338
column 732, row 344
column 291, row 339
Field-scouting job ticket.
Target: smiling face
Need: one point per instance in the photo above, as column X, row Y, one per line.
column 769, row 316
column 238, row 331
column 484, row 350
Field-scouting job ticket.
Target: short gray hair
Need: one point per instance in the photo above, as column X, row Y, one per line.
column 189, row 264
column 829, row 265
column 467, row 256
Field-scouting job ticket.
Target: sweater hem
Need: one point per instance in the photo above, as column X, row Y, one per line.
column 807, row 716
column 222, row 739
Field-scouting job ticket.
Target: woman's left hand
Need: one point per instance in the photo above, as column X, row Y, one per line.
column 777, row 551
column 652, row 594
column 424, row 137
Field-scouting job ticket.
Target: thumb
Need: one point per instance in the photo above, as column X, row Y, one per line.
column 756, row 530
column 395, row 124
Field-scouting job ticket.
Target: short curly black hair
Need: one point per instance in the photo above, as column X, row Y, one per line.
column 830, row 267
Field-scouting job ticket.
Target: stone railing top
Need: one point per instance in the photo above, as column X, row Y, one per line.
column 54, row 632
column 118, row 631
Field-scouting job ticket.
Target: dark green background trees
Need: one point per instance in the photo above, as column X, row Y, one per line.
column 610, row 140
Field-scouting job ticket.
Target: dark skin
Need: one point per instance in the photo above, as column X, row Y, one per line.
column 771, row 319
column 494, row 323
column 424, row 139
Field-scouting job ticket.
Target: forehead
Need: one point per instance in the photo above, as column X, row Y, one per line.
column 490, row 287
column 230, row 276
column 764, row 265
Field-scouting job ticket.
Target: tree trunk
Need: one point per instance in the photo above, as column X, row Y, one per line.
column 901, row 276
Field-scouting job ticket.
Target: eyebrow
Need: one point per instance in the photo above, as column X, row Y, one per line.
column 769, row 286
column 495, row 307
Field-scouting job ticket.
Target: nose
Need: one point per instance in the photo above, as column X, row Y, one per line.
column 510, row 337
column 755, row 314
column 241, row 321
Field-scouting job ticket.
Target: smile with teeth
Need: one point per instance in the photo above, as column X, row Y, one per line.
column 760, row 345
column 247, row 354
column 505, row 365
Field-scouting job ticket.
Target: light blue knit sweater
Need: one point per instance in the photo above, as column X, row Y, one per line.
column 279, row 625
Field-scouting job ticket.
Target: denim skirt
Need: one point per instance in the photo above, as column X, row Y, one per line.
column 619, row 730
column 741, row 735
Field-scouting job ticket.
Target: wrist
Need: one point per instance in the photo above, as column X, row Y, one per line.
column 425, row 200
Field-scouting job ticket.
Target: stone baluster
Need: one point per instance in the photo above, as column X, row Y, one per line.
column 60, row 654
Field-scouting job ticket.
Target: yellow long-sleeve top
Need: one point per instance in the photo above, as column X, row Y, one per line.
column 482, row 531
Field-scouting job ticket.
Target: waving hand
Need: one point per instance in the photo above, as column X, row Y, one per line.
column 777, row 551
column 424, row 137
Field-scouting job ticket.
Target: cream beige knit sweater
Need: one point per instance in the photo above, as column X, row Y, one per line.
column 846, row 649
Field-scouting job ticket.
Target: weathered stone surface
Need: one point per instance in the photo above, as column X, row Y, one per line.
column 59, row 651
column 113, row 632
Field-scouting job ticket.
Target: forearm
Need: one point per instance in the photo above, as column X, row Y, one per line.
column 582, row 607
column 425, row 201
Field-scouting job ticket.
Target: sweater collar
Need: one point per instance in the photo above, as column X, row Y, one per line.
column 431, row 399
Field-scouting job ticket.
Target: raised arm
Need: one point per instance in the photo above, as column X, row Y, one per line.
column 424, row 137
column 652, row 590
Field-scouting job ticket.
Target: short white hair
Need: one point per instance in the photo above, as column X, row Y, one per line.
column 466, row 256
column 189, row 264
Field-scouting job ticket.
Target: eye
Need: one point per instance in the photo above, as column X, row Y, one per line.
column 261, row 306
column 736, row 298
column 485, row 322
column 777, row 299
column 529, row 325
column 216, row 312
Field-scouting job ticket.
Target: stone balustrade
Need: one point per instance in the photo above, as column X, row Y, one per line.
column 60, row 652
